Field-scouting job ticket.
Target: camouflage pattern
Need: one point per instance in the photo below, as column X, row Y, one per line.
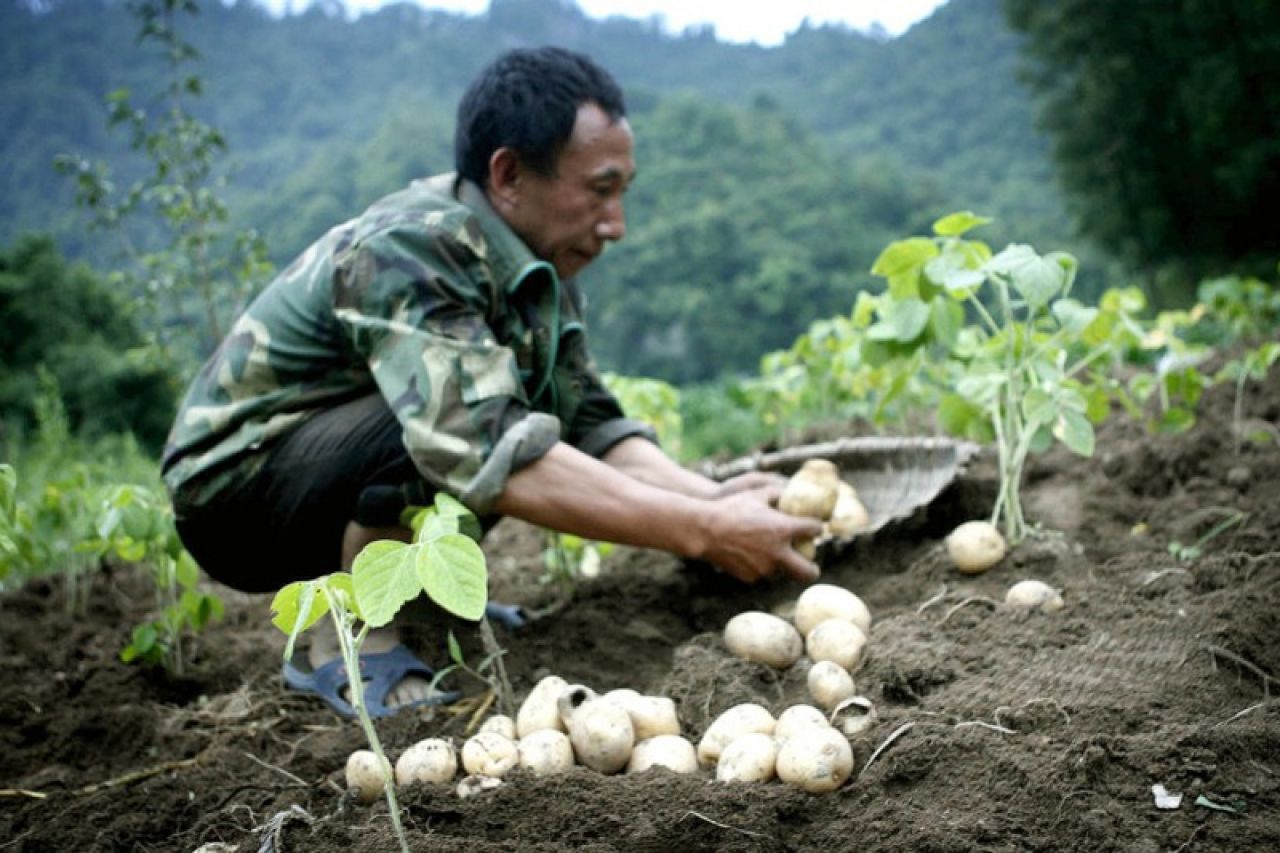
column 431, row 299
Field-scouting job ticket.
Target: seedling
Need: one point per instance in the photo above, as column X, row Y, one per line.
column 137, row 527
column 568, row 558
column 1254, row 364
column 1191, row 553
column 442, row 561
column 1018, row 373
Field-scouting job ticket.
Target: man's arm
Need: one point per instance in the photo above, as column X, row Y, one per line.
column 741, row 533
column 645, row 461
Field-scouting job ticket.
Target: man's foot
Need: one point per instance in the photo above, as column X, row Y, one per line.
column 324, row 648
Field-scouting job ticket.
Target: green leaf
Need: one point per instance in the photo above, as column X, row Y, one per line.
column 904, row 257
column 1042, row 440
column 130, row 550
column 980, row 387
column 901, row 320
column 298, row 606
column 383, row 580
column 1037, row 279
column 1097, row 403
column 955, row 224
column 1175, row 420
column 1073, row 317
column 956, row 414
column 452, row 571
column 185, row 570
column 455, row 650
column 955, row 271
column 1074, row 430
column 1039, row 407
column 946, row 318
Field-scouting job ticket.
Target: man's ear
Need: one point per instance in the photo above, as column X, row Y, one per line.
column 506, row 176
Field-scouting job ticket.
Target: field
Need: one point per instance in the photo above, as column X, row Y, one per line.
column 997, row 731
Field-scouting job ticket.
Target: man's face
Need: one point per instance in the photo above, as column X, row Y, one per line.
column 567, row 218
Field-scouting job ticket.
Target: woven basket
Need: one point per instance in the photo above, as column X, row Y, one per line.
column 893, row 476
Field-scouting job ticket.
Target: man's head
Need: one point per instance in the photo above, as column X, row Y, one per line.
column 544, row 132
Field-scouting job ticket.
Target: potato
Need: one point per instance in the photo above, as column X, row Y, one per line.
column 732, row 724
column 829, row 683
column 763, row 638
column 502, row 724
column 750, row 758
column 807, row 548
column 797, row 717
column 1033, row 593
column 472, row 785
column 539, row 711
column 573, row 697
column 811, row 491
column 815, row 759
column 824, row 601
column 670, row 751
column 366, row 775
column 430, row 761
column 621, row 695
column 546, row 752
column 854, row 715
column 975, row 546
column 848, row 516
column 602, row 736
column 489, row 754
column 650, row 715
column 837, row 641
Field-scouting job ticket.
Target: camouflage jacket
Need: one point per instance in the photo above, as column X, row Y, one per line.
column 431, row 299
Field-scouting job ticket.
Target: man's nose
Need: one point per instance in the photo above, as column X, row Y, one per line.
column 613, row 225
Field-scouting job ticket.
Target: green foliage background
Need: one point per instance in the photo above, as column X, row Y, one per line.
column 769, row 177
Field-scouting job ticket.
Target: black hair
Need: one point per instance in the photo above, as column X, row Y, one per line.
column 527, row 100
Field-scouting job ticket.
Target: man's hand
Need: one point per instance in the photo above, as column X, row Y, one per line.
column 750, row 482
column 750, row 540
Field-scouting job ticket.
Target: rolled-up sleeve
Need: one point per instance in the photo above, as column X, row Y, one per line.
column 409, row 304
column 598, row 421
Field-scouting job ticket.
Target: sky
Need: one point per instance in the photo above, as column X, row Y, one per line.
column 766, row 22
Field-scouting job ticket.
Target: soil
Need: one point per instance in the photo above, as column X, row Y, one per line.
column 997, row 730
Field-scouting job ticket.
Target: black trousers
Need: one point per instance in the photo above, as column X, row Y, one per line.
column 345, row 464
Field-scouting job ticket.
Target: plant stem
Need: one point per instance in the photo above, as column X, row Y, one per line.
column 350, row 646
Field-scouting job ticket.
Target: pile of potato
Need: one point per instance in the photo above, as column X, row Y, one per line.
column 807, row 747
column 816, row 491
column 559, row 725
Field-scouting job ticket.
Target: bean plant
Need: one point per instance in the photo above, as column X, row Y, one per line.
column 1019, row 359
column 137, row 527
column 442, row 561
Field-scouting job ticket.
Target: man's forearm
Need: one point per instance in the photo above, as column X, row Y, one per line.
column 570, row 491
column 646, row 462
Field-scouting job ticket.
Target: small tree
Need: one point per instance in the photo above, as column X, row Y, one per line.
column 196, row 260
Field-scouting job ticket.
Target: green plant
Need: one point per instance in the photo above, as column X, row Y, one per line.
column 442, row 561
column 653, row 401
column 1191, row 553
column 199, row 262
column 1024, row 372
column 1254, row 364
column 568, row 558
column 137, row 527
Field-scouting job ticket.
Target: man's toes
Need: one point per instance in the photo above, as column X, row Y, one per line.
column 411, row 689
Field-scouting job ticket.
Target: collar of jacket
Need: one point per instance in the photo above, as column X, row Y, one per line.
column 514, row 265
column 512, row 261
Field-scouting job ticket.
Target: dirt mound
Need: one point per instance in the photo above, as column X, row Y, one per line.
column 997, row 730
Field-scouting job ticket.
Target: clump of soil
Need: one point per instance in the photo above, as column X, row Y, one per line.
column 997, row 730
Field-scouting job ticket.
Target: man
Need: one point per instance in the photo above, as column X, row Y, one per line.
column 436, row 343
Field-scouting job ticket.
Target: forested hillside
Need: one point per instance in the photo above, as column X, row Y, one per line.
column 770, row 177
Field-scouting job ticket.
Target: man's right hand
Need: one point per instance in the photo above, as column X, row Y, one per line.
column 750, row 540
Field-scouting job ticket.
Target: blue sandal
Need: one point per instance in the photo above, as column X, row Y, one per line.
column 381, row 670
